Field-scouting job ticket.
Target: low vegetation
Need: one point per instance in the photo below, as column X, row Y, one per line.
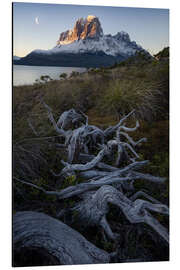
column 163, row 54
column 105, row 95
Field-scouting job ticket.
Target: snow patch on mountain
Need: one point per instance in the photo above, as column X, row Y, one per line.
column 110, row 45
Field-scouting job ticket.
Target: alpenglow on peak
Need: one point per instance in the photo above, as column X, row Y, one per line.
column 84, row 28
column 87, row 37
column 90, row 17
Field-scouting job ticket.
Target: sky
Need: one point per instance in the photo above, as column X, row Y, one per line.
column 38, row 26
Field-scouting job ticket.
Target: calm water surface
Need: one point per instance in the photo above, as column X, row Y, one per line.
column 28, row 74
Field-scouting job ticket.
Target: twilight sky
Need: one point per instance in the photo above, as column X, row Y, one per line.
column 38, row 26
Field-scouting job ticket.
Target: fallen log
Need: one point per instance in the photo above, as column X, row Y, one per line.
column 49, row 238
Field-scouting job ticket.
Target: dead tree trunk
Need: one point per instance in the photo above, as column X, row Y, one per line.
column 38, row 232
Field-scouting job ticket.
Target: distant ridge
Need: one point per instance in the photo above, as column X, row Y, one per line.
column 16, row 57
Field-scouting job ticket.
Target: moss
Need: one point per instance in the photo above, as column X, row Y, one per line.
column 69, row 181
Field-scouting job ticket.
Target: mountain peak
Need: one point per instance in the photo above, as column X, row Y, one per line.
column 122, row 36
column 90, row 18
column 86, row 45
column 84, row 28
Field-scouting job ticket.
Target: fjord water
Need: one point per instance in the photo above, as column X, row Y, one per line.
column 23, row 75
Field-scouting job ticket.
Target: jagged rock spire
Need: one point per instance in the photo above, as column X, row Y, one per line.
column 84, row 28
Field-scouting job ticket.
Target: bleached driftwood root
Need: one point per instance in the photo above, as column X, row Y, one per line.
column 93, row 210
column 103, row 183
column 37, row 231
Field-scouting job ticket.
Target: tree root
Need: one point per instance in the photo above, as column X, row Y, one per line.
column 90, row 152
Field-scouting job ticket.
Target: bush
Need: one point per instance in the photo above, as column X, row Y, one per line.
column 74, row 74
column 63, row 76
column 163, row 53
column 123, row 96
column 45, row 78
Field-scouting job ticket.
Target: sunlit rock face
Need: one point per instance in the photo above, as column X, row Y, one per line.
column 87, row 37
column 84, row 28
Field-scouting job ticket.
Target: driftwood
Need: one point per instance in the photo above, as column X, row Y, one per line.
column 34, row 231
column 103, row 184
column 94, row 208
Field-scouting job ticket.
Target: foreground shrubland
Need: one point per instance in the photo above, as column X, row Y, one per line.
column 101, row 97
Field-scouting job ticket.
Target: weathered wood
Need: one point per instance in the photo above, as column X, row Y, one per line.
column 84, row 167
column 80, row 139
column 36, row 231
column 103, row 184
column 52, row 120
column 94, row 209
column 109, row 131
column 143, row 194
column 131, row 140
column 69, row 118
column 114, row 177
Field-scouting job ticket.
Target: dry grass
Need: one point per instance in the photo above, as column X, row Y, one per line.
column 103, row 95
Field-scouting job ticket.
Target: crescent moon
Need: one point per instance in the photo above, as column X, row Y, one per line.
column 37, row 20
